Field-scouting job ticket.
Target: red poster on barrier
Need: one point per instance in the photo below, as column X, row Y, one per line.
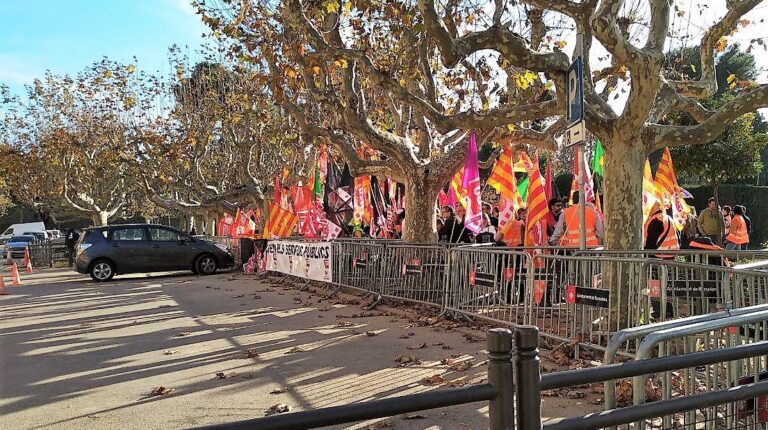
column 472, row 278
column 539, row 289
column 746, row 408
column 570, row 294
column 654, row 288
column 509, row 273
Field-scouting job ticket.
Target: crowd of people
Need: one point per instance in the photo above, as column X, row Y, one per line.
column 714, row 228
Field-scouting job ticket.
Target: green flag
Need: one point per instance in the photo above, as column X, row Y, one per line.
column 522, row 188
column 317, row 187
column 598, row 159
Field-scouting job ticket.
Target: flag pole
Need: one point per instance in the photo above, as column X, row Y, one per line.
column 582, row 168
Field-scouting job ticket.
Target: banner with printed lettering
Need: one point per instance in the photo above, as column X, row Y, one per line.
column 310, row 260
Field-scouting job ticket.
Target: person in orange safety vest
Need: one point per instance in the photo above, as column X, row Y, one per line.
column 567, row 229
column 738, row 236
column 660, row 232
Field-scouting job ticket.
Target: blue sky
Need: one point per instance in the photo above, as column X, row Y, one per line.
column 66, row 36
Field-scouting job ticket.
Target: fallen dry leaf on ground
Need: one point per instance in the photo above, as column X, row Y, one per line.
column 447, row 361
column 403, row 336
column 182, row 334
column 456, row 383
column 344, row 324
column 161, row 391
column 251, row 354
column 471, row 338
column 169, row 352
column 279, row 391
column 222, row 375
column 405, row 360
column 418, row 345
column 461, row 366
column 277, row 409
column 433, row 380
column 380, row 425
column 294, row 350
column 371, row 333
column 165, row 306
column 413, row 417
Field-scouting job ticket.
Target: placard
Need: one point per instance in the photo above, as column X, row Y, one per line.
column 587, row 296
column 310, row 260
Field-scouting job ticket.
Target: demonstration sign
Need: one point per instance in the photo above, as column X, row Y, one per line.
column 302, row 259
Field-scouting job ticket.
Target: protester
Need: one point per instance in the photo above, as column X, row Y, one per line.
column 738, row 237
column 660, row 232
column 746, row 219
column 495, row 216
column 453, row 230
column 711, row 222
column 567, row 229
column 727, row 217
column 487, row 210
column 512, row 233
column 553, row 217
column 193, row 232
column 488, row 231
column 689, row 231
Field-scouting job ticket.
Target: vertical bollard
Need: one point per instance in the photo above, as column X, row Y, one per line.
column 502, row 408
column 528, row 378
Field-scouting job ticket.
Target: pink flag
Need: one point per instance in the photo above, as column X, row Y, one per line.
column 332, row 230
column 473, row 221
column 588, row 189
column 442, row 198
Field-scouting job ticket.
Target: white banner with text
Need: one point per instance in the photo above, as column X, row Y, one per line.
column 310, row 260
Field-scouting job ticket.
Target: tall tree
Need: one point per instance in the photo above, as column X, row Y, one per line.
column 71, row 141
column 409, row 79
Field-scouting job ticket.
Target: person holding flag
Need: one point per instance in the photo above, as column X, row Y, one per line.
column 567, row 229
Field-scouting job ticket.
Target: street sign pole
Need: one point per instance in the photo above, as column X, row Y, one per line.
column 582, row 167
column 576, row 129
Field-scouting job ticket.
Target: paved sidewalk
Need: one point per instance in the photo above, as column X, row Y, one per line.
column 76, row 354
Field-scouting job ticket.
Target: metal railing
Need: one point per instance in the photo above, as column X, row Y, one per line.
column 515, row 385
column 498, row 392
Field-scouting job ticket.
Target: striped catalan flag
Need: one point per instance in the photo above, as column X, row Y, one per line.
column 502, row 179
column 536, row 202
column 457, row 193
column 524, row 163
column 665, row 180
column 280, row 222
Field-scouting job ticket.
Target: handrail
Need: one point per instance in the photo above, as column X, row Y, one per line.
column 620, row 416
column 570, row 378
column 363, row 411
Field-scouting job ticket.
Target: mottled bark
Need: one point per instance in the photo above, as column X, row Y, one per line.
column 420, row 217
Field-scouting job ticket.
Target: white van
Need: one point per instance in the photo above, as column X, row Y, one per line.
column 18, row 229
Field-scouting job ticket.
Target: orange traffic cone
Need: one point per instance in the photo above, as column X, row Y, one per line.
column 15, row 278
column 3, row 291
column 27, row 260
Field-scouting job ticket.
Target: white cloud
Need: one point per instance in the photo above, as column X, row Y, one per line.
column 17, row 70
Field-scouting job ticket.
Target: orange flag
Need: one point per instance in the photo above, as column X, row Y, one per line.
column 280, row 222
column 536, row 204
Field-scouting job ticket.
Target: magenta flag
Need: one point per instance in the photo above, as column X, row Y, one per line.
column 473, row 221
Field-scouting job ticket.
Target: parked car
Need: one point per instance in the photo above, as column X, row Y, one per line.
column 104, row 252
column 18, row 229
column 41, row 236
column 18, row 244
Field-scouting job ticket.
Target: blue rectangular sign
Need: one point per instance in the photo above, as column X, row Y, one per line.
column 575, row 101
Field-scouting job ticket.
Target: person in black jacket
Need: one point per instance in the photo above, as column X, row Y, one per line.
column 453, row 230
column 70, row 240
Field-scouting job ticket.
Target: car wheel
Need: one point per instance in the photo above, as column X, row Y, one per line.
column 206, row 265
column 102, row 270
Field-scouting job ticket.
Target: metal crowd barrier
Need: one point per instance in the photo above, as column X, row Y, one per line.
column 48, row 254
column 487, row 282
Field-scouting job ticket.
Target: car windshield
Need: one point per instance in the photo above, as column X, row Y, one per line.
column 21, row 239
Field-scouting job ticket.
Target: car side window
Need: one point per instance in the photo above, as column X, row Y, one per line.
column 164, row 235
column 128, row 234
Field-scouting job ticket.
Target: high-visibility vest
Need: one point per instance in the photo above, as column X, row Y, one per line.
column 668, row 239
column 738, row 233
column 512, row 233
column 571, row 219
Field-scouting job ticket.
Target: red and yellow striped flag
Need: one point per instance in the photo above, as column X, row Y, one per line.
column 524, row 163
column 665, row 180
column 459, row 193
column 280, row 222
column 536, row 202
column 502, row 179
